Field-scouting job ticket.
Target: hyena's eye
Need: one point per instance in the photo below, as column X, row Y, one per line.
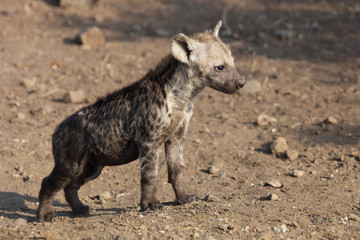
column 219, row 68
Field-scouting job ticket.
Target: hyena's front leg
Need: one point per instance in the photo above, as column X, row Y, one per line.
column 174, row 149
column 149, row 179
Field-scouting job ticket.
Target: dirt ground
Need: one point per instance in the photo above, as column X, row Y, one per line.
column 305, row 55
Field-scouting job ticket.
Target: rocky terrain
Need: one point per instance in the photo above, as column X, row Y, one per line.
column 278, row 160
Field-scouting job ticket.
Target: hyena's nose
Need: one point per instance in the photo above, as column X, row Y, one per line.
column 240, row 83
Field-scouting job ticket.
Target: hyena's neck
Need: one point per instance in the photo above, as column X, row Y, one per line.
column 183, row 83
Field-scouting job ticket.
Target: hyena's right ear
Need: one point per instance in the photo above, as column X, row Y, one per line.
column 182, row 48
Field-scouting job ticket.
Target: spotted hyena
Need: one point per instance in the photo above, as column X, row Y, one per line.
column 136, row 121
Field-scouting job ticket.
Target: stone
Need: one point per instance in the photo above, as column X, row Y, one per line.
column 162, row 32
column 74, row 96
column 92, row 37
column 20, row 116
column 279, row 146
column 51, row 235
column 28, row 83
column 292, row 154
column 274, row 183
column 213, row 170
column 252, row 87
column 354, row 217
column 273, row 197
column 284, row 34
column 331, row 120
column 210, row 198
column 263, row 120
column 105, row 195
column 20, row 222
column 280, row 229
column 77, row 3
column 298, row 173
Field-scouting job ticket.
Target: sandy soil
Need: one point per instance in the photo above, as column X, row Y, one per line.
column 304, row 54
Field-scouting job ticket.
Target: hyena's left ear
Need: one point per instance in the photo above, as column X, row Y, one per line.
column 216, row 29
column 183, row 48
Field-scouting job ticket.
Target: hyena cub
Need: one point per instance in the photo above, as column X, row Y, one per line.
column 134, row 122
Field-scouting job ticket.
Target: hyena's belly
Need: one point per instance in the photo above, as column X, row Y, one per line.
column 122, row 154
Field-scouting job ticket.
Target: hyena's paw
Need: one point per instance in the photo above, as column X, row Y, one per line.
column 82, row 210
column 45, row 217
column 151, row 206
column 183, row 199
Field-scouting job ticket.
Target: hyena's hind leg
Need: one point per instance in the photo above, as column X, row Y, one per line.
column 89, row 173
column 49, row 187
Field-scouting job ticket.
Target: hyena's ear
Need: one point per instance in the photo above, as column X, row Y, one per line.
column 216, row 29
column 182, row 48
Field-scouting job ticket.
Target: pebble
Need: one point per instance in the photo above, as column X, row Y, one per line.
column 210, row 198
column 92, row 37
column 162, row 32
column 76, row 3
column 292, row 154
column 279, row 146
column 20, row 115
column 20, row 222
column 273, row 197
column 298, row 173
column 74, row 96
column 263, row 120
column 354, row 217
column 213, row 170
column 280, row 229
column 252, row 87
column 28, row 83
column 331, row 120
column 274, row 184
column 284, row 34
column 50, row 235
column 105, row 195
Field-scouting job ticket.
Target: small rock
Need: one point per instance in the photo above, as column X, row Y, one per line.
column 105, row 195
column 74, row 96
column 28, row 83
column 280, row 229
column 331, row 120
column 47, row 109
column 50, row 235
column 284, row 34
column 354, row 217
column 354, row 154
column 98, row 18
column 252, row 87
column 279, row 146
column 273, row 197
column 20, row 115
column 19, row 168
column 162, row 32
column 223, row 226
column 263, row 120
column 210, row 198
column 91, row 37
column 213, row 170
column 274, row 184
column 292, row 154
column 298, row 173
column 77, row 3
column 20, row 222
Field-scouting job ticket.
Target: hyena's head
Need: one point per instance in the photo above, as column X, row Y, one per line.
column 210, row 58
